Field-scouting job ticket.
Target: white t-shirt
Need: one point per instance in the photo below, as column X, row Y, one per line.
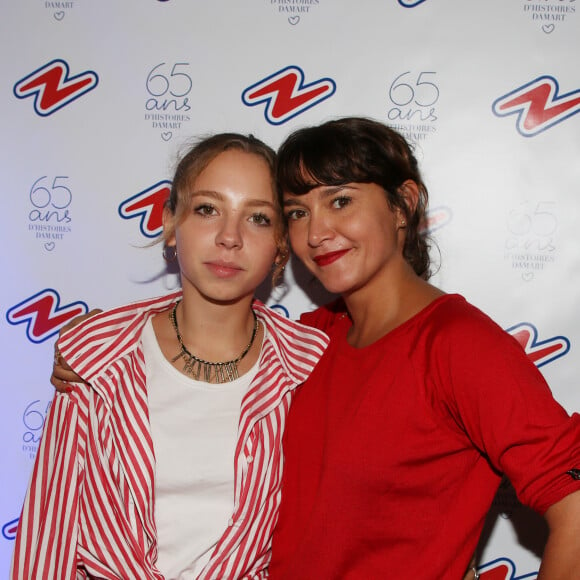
column 194, row 426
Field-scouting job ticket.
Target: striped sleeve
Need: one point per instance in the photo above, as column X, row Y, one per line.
column 46, row 541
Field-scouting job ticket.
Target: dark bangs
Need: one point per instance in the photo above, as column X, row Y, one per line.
column 331, row 155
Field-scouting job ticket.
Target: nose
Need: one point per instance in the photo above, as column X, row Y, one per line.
column 319, row 229
column 230, row 235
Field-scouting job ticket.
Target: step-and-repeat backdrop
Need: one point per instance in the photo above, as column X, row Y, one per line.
column 98, row 99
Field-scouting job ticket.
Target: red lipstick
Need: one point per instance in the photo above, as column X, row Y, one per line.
column 330, row 257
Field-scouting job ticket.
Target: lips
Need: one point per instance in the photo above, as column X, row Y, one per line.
column 224, row 269
column 330, row 257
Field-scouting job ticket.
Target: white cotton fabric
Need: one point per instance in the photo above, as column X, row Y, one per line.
column 194, row 426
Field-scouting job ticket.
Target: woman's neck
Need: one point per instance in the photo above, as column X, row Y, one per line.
column 381, row 307
column 200, row 317
column 210, row 330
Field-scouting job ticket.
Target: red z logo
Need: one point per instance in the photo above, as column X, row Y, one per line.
column 436, row 218
column 540, row 353
column 502, row 569
column 52, row 87
column 43, row 315
column 9, row 529
column 286, row 95
column 149, row 206
column 537, row 105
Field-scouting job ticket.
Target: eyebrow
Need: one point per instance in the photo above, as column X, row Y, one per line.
column 328, row 191
column 220, row 197
column 261, row 203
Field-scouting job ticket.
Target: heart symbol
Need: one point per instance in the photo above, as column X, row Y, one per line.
column 410, row 3
column 166, row 136
column 527, row 276
column 49, row 246
column 294, row 20
column 548, row 28
column 59, row 15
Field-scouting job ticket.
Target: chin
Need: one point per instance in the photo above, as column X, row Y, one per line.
column 334, row 286
column 224, row 297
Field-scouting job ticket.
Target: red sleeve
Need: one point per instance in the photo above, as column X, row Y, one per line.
column 501, row 400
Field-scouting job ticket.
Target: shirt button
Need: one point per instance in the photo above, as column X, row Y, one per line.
column 230, row 522
column 249, row 458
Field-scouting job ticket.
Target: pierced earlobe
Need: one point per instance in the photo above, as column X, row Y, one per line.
column 169, row 253
column 282, row 258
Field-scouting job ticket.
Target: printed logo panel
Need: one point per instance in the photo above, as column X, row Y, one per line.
column 531, row 245
column 549, row 14
column 49, row 218
column 148, row 206
column 52, row 88
column 285, row 94
column 9, row 529
column 437, row 217
column 539, row 352
column 43, row 315
column 413, row 100
column 296, row 10
column 502, row 569
column 537, row 105
column 169, row 87
column 33, row 419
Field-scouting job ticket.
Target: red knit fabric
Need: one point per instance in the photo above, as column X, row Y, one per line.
column 393, row 451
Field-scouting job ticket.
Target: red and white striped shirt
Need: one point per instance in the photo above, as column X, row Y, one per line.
column 89, row 510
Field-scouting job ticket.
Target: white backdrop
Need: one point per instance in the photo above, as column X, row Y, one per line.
column 97, row 99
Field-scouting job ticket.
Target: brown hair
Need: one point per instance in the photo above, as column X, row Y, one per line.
column 198, row 157
column 359, row 150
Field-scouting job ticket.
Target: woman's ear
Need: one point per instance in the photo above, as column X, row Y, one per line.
column 168, row 227
column 409, row 190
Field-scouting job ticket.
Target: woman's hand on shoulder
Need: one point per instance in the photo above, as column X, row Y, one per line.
column 62, row 374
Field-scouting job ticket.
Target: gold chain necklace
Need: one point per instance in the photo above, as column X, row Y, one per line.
column 222, row 371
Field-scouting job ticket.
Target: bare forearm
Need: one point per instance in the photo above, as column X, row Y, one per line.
column 561, row 559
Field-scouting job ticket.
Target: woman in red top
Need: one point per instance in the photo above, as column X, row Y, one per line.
column 395, row 444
